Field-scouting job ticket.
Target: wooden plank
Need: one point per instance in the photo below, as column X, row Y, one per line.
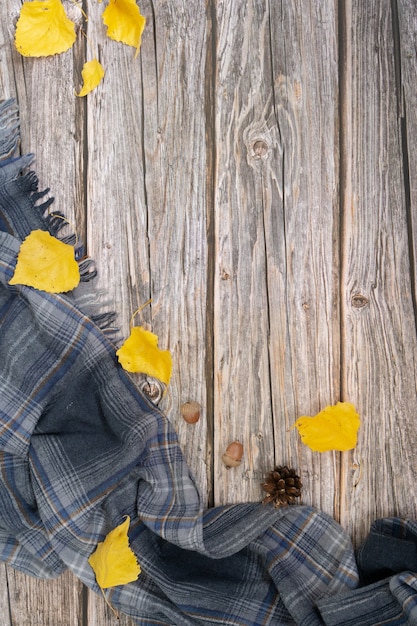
column 174, row 144
column 305, row 53
column 4, row 597
column 52, row 128
column 276, row 291
column 9, row 58
column 43, row 602
column 146, row 219
column 243, row 110
column 406, row 73
column 379, row 351
column 146, row 194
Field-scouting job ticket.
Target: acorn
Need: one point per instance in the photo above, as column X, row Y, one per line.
column 233, row 455
column 191, row 411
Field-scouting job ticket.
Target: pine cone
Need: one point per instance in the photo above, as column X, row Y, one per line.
column 283, row 486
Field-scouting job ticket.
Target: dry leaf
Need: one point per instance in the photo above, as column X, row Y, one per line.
column 113, row 561
column 124, row 22
column 140, row 353
column 46, row 263
column 92, row 74
column 43, row 28
column 334, row 428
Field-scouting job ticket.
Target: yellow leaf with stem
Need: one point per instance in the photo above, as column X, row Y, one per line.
column 43, row 28
column 140, row 353
column 46, row 263
column 92, row 73
column 113, row 561
column 124, row 22
column 334, row 428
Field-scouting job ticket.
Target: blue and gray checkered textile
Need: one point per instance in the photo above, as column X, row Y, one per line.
column 81, row 447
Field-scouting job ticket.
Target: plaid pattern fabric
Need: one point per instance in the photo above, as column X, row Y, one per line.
column 81, row 447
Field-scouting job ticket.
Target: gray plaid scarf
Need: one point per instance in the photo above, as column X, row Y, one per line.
column 81, row 447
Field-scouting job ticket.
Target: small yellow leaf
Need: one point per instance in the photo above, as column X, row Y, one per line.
column 124, row 22
column 43, row 28
column 334, row 428
column 113, row 561
column 140, row 353
column 46, row 263
column 92, row 74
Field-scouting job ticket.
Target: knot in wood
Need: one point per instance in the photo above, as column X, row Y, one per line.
column 359, row 301
column 153, row 389
column 225, row 275
column 260, row 149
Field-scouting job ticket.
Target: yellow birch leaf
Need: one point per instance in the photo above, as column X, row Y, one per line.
column 46, row 263
column 113, row 561
column 124, row 22
column 43, row 28
column 140, row 353
column 334, row 428
column 92, row 73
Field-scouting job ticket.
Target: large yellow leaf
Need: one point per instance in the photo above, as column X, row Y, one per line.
column 140, row 353
column 46, row 263
column 113, row 561
column 124, row 22
column 43, row 28
column 92, row 74
column 334, row 428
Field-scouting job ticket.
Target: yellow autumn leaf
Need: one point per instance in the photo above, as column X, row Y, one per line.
column 113, row 561
column 92, row 73
column 46, row 263
column 43, row 28
column 140, row 353
column 334, row 428
column 124, row 22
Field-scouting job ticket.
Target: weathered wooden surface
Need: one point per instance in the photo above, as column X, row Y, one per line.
column 379, row 334
column 4, row 596
column 253, row 171
column 276, row 325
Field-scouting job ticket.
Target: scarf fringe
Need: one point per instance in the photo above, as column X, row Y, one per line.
column 24, row 186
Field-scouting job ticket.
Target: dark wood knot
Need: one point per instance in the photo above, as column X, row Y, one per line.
column 224, row 274
column 260, row 149
column 359, row 301
column 153, row 389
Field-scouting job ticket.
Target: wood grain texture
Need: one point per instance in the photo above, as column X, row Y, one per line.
column 146, row 220
column 276, row 291
column 406, row 73
column 244, row 116
column 4, row 597
column 304, row 49
column 146, row 202
column 43, row 602
column 379, row 338
column 174, row 146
